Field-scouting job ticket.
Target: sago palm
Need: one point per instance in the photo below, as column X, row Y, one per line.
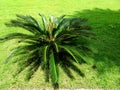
column 53, row 43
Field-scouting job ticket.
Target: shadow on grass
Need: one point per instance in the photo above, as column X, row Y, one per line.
column 106, row 26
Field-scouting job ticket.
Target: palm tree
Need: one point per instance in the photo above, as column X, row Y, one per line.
column 53, row 43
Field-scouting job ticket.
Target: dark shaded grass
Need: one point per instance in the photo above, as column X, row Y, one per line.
column 106, row 26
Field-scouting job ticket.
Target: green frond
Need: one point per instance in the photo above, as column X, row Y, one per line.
column 17, row 51
column 58, row 32
column 16, row 36
column 63, row 26
column 45, row 53
column 53, row 71
column 58, row 20
column 26, row 22
column 68, row 50
column 33, row 68
column 32, row 58
column 37, row 23
column 51, row 19
column 56, row 47
column 57, row 70
column 78, row 54
column 45, row 64
column 44, row 22
column 47, row 72
column 10, row 55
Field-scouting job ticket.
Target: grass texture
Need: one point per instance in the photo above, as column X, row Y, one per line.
column 105, row 22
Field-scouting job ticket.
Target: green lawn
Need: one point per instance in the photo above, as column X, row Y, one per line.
column 105, row 22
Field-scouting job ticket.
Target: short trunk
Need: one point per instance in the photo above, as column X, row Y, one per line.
column 56, row 86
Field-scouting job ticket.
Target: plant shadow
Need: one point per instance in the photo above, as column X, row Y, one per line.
column 106, row 27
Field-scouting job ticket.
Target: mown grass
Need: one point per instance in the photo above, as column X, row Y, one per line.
column 105, row 24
